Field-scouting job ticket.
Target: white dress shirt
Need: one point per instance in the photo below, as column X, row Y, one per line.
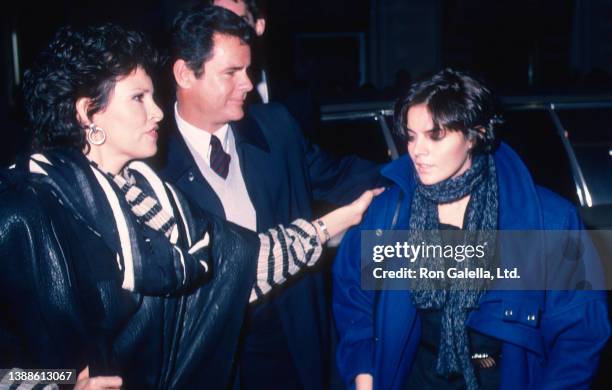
column 262, row 88
column 232, row 191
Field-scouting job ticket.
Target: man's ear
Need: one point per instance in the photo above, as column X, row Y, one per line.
column 82, row 104
column 260, row 26
column 183, row 75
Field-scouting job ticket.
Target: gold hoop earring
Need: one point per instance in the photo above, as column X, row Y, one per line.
column 95, row 135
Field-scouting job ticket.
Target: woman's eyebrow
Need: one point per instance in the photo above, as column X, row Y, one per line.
column 142, row 90
column 425, row 131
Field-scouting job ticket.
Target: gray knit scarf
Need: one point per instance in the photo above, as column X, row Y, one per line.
column 456, row 297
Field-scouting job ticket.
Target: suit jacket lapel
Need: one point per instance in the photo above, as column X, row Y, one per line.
column 256, row 167
column 182, row 170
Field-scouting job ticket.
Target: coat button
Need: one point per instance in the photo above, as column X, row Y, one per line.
column 379, row 232
column 190, row 176
column 508, row 313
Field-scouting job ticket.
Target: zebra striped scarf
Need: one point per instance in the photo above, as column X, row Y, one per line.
column 145, row 207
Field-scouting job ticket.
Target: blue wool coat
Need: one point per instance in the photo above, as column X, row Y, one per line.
column 551, row 339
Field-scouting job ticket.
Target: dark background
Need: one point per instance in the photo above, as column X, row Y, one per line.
column 361, row 50
column 367, row 50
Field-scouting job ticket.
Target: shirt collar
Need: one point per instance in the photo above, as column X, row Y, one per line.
column 196, row 136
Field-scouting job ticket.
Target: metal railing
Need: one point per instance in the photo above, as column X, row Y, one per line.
column 380, row 111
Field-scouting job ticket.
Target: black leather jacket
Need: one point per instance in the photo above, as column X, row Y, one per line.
column 63, row 306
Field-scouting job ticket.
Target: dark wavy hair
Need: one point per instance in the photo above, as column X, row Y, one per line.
column 456, row 102
column 76, row 64
column 193, row 31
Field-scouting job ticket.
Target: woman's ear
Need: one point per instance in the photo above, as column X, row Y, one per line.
column 82, row 104
column 473, row 137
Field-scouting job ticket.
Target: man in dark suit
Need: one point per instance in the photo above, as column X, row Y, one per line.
column 257, row 171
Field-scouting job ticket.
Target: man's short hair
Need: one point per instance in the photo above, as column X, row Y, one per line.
column 193, row 31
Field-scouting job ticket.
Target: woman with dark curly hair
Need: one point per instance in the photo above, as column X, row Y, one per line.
column 128, row 279
column 459, row 334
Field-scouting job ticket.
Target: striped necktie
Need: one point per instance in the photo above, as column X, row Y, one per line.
column 219, row 160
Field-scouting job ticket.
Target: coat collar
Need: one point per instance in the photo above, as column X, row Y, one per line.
column 248, row 131
column 520, row 207
column 93, row 198
column 177, row 165
column 177, row 156
column 401, row 172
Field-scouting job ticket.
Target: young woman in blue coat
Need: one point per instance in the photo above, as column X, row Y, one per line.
column 456, row 176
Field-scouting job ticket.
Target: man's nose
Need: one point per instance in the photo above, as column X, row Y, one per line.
column 245, row 83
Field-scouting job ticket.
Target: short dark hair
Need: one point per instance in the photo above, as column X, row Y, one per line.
column 77, row 64
column 257, row 8
column 193, row 31
column 456, row 102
